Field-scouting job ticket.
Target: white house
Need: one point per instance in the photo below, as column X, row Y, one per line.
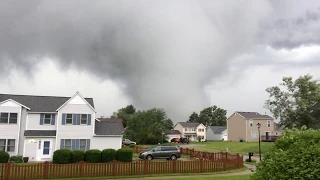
column 36, row 126
column 217, row 133
column 191, row 130
column 173, row 134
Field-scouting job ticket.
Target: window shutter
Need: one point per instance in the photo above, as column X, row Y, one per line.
column 77, row 144
column 89, row 119
column 41, row 119
column 78, row 119
column 63, row 122
column 73, row 144
column 62, row 144
column 88, row 145
column 53, row 119
column 74, row 119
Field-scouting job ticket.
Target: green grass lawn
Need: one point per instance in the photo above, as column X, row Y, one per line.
column 234, row 147
column 240, row 177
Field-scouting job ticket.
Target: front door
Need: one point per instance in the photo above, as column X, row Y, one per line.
column 267, row 135
column 46, row 149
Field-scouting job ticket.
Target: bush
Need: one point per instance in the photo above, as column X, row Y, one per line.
column 62, row 156
column 124, row 155
column 295, row 155
column 132, row 145
column 4, row 157
column 199, row 138
column 92, row 156
column 77, row 156
column 108, row 155
column 16, row 159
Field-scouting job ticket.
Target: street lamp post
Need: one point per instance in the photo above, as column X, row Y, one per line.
column 162, row 136
column 259, row 125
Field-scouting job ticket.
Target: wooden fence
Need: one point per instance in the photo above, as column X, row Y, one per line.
column 202, row 162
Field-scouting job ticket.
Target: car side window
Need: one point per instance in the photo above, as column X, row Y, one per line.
column 157, row 149
column 164, row 148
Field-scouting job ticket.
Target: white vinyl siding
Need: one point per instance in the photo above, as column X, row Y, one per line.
column 34, row 123
column 100, row 142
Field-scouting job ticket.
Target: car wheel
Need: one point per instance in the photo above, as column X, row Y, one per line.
column 173, row 157
column 149, row 157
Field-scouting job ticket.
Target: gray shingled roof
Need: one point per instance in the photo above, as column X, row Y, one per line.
column 118, row 120
column 254, row 115
column 40, row 103
column 174, row 132
column 40, row 133
column 218, row 129
column 108, row 128
column 189, row 124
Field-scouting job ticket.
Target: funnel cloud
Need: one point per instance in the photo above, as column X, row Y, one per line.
column 164, row 52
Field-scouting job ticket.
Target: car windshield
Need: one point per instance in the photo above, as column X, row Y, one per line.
column 150, row 149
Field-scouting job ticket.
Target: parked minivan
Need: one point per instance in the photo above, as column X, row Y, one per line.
column 161, row 152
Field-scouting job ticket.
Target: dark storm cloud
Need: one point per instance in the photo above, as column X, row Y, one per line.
column 164, row 52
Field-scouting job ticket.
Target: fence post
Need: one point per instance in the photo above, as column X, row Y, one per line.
column 81, row 168
column 114, row 168
column 7, row 171
column 45, row 170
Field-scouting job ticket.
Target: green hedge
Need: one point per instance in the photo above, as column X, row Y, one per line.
column 125, row 155
column 108, row 155
column 92, row 156
column 16, row 159
column 77, row 156
column 62, row 156
column 4, row 157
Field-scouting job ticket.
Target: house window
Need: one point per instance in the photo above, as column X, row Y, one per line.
column 69, row 119
column 277, row 133
column 185, row 129
column 11, row 145
column 2, row 144
column 202, row 137
column 84, row 118
column 47, row 119
column 269, row 123
column 13, row 118
column 193, row 129
column 83, row 144
column 251, row 122
column 67, row 143
column 4, row 118
column 254, row 134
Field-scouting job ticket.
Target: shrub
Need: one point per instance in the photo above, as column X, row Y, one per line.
column 124, row 155
column 4, row 157
column 132, row 145
column 77, row 156
column 108, row 155
column 295, row 155
column 62, row 156
column 92, row 156
column 199, row 138
column 16, row 159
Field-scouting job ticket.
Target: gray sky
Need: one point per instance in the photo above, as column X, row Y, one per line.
column 182, row 56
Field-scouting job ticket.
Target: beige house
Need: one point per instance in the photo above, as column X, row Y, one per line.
column 191, row 130
column 243, row 125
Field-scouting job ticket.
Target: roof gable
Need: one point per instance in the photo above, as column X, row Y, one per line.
column 217, row 129
column 39, row 103
column 76, row 99
column 12, row 103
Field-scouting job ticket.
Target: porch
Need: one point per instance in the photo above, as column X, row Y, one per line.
column 269, row 138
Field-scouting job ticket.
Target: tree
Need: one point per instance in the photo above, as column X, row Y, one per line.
column 124, row 113
column 210, row 116
column 296, row 105
column 295, row 155
column 194, row 117
column 146, row 127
